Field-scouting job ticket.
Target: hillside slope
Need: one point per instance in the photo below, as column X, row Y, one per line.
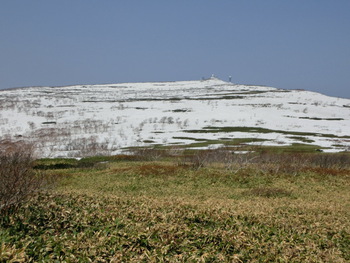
column 85, row 120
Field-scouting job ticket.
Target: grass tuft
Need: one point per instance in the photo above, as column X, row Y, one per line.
column 268, row 192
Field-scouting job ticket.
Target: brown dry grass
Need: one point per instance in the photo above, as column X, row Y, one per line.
column 162, row 212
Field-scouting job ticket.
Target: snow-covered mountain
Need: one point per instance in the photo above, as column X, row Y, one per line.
column 91, row 119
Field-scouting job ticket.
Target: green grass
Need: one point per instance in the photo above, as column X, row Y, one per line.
column 243, row 143
column 293, row 148
column 302, row 139
column 226, row 141
column 133, row 211
column 211, row 129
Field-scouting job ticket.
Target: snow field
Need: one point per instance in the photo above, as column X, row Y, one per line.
column 80, row 120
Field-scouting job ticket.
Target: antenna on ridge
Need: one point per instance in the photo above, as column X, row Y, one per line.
column 229, row 79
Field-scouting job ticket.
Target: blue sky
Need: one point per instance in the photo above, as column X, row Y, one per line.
column 299, row 44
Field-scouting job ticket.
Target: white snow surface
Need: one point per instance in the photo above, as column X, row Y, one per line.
column 82, row 120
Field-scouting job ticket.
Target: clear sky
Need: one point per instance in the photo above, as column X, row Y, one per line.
column 289, row 44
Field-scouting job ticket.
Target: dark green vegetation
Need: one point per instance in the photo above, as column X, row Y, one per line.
column 210, row 206
column 322, row 119
column 242, row 144
column 228, row 142
column 211, row 129
column 301, row 138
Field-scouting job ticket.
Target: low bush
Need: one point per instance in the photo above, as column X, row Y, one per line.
column 18, row 181
column 267, row 162
column 149, row 154
column 338, row 160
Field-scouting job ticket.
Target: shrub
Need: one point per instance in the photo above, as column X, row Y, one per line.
column 18, row 181
column 338, row 161
column 149, row 154
column 201, row 158
column 268, row 162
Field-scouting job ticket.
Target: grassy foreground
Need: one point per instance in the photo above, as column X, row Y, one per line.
column 134, row 211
